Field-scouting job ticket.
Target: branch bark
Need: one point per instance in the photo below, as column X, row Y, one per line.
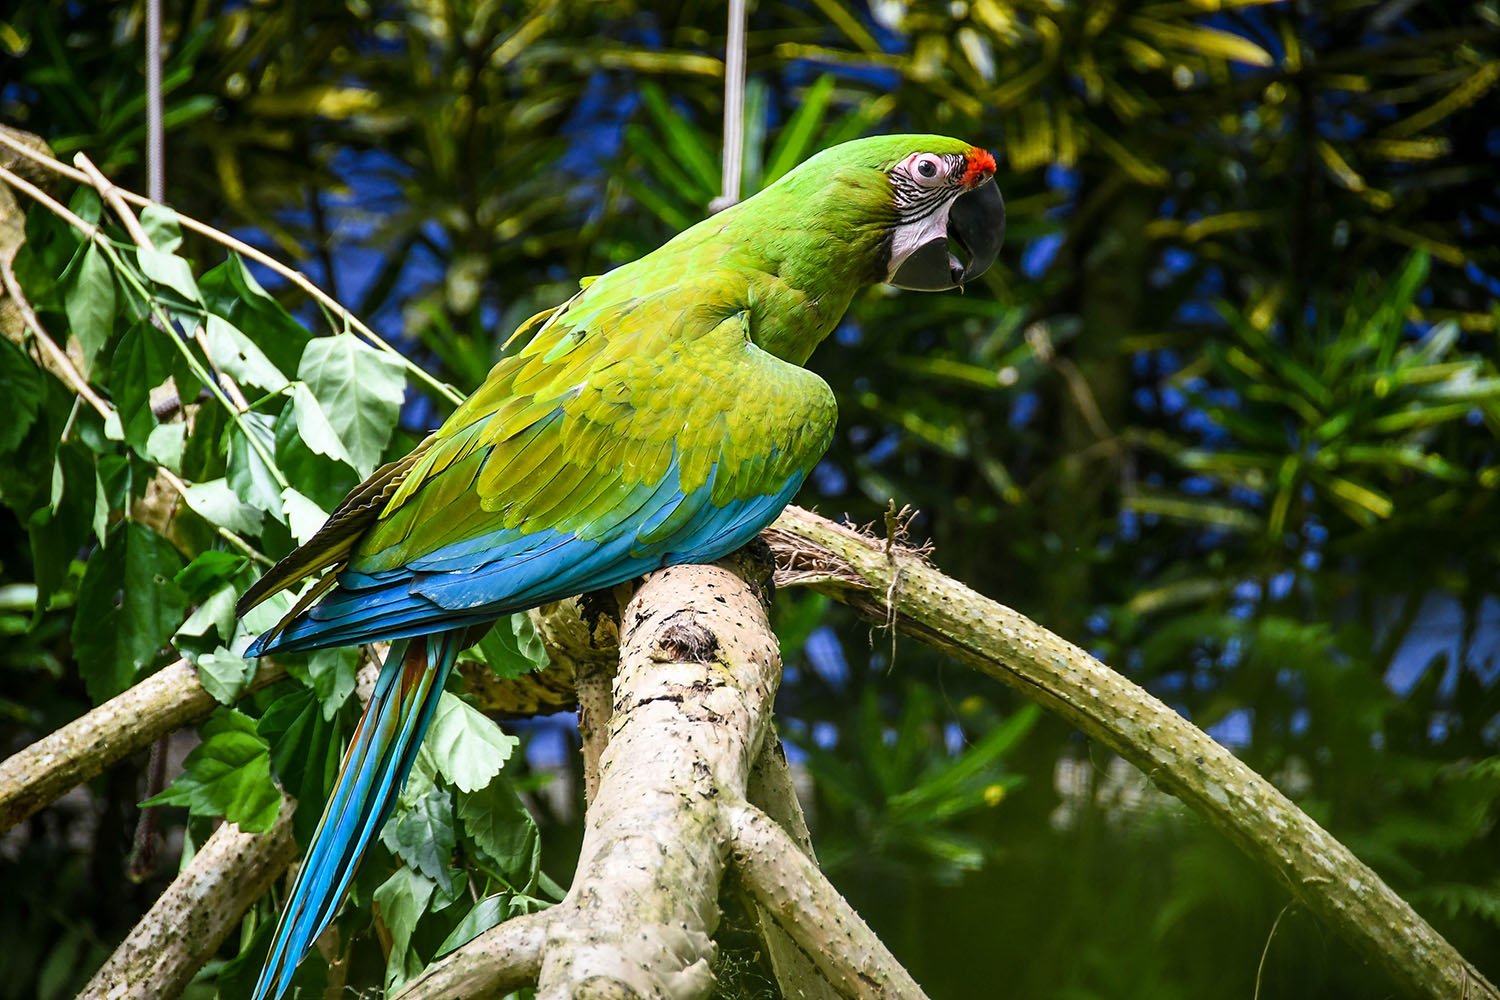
column 810, row 910
column 167, row 700
column 192, row 918
column 699, row 668
column 894, row 584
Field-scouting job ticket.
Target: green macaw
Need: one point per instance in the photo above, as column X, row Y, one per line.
column 660, row 416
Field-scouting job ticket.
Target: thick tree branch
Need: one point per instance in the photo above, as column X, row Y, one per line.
column 699, row 667
column 167, row 700
column 810, row 910
column 772, row 792
column 1345, row 893
column 192, row 918
column 502, row 960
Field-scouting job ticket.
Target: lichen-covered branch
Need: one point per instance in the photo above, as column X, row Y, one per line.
column 172, row 698
column 500, row 961
column 192, row 918
column 772, row 792
column 810, row 910
column 167, row 700
column 699, row 668
column 890, row 583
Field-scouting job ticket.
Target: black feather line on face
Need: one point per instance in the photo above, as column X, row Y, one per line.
column 915, row 201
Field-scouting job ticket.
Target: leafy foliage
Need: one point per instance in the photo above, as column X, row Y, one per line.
column 1226, row 416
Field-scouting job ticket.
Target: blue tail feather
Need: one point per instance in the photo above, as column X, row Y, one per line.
column 375, row 766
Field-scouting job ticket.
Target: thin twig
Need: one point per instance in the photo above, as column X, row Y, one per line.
column 61, row 365
column 111, row 195
column 244, row 249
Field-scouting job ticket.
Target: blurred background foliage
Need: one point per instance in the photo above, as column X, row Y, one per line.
column 1226, row 414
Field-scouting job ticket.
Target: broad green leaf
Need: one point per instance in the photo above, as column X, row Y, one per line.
column 238, row 356
column 302, row 515
column 487, row 913
column 330, row 673
column 249, row 476
column 165, row 445
column 90, row 303
column 228, row 774
column 215, row 613
column 208, row 571
column 128, row 607
column 305, row 750
column 233, row 293
column 468, row 748
column 360, row 390
column 511, row 648
column 170, row 270
column 162, row 228
column 314, row 427
column 399, row 904
column 216, row 503
column 59, row 526
column 142, row 361
column 420, row 833
column 20, row 395
column 225, row 675
column 502, row 833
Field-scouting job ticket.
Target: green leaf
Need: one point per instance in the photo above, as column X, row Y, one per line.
column 239, row 357
column 225, row 675
column 228, row 774
column 90, row 304
column 60, row 526
column 215, row 613
column 305, row 753
column 318, row 478
column 330, row 673
column 20, row 395
column 161, row 226
column 511, row 648
column 304, row 516
column 487, row 913
column 360, row 390
column 468, row 748
column 502, row 833
column 128, row 607
column 233, row 293
column 399, row 904
column 170, row 270
column 142, row 361
column 314, row 427
column 165, row 445
column 796, row 139
column 208, row 571
column 249, row 476
column 420, row 833
column 217, row 504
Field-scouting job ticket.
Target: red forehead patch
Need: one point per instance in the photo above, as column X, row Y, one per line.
column 981, row 165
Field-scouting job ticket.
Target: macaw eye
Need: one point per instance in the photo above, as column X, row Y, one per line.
column 927, row 167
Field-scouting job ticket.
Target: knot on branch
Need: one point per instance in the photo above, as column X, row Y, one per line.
column 687, row 641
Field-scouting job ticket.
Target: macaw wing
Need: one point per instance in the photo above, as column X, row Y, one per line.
column 660, row 436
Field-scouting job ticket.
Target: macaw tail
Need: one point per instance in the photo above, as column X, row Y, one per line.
column 375, row 766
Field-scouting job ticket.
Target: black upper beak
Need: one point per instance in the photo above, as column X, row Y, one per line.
column 976, row 224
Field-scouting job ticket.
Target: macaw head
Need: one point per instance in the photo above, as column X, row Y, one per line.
column 931, row 200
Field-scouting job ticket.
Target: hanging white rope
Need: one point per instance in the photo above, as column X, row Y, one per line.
column 156, row 181
column 734, row 108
